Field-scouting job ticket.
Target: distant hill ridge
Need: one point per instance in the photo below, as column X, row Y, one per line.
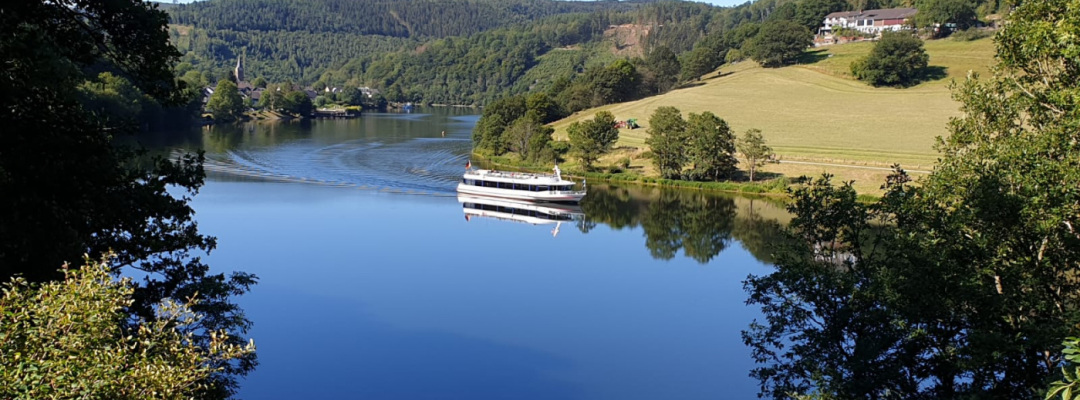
column 395, row 18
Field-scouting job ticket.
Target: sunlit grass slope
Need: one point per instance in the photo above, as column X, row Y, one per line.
column 817, row 111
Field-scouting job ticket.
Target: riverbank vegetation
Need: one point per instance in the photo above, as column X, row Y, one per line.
column 62, row 338
column 71, row 186
column 963, row 286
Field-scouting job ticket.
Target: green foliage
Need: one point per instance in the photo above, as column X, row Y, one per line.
column 544, row 108
column 784, row 12
column 226, row 103
column 530, row 139
column 970, row 34
column 941, row 12
column 661, row 70
column 96, row 194
column 752, row 146
column 964, row 286
column 898, row 59
column 811, row 13
column 70, row 339
column 1068, row 388
column 711, row 150
column 419, row 50
column 779, row 43
column 112, row 95
column 297, row 103
column 733, row 56
column 488, row 134
column 425, row 18
column 706, row 57
column 667, row 141
column 591, row 138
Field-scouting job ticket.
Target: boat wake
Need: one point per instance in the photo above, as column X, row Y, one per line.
column 415, row 166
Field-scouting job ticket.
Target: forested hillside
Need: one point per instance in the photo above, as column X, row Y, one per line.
column 475, row 51
column 411, row 19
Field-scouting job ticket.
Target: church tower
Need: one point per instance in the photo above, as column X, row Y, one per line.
column 239, row 70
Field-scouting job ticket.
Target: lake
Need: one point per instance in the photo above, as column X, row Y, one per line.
column 373, row 284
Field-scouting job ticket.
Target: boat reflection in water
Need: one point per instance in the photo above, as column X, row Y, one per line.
column 520, row 211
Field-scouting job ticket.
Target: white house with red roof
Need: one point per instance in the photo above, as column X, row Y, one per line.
column 869, row 21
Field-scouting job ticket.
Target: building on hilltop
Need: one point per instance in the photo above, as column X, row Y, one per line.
column 869, row 21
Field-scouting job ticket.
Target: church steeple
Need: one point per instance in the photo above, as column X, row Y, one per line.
column 239, row 70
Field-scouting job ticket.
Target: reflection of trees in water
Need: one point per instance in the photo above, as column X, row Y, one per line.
column 759, row 235
column 701, row 224
column 222, row 138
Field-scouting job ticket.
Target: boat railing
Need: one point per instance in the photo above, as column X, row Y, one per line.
column 513, row 175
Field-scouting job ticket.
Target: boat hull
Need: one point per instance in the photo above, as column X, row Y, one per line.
column 546, row 196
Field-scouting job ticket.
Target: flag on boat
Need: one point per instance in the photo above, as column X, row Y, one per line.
column 468, row 164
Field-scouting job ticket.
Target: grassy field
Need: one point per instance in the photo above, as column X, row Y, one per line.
column 817, row 112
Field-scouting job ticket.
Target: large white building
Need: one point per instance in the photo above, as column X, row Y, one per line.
column 869, row 21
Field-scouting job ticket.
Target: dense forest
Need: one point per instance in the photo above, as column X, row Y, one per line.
column 475, row 51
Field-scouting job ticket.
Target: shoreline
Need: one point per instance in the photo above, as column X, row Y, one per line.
column 764, row 188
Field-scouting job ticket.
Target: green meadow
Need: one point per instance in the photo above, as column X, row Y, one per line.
column 816, row 111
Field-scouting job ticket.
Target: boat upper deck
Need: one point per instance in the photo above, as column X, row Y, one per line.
column 523, row 177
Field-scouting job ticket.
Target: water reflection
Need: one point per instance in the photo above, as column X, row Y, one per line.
column 700, row 224
column 519, row 211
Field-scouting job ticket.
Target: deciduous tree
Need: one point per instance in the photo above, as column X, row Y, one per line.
column 667, row 141
column 62, row 340
column 528, row 137
column 591, row 138
column 898, row 59
column 711, row 150
column 226, row 104
column 752, row 146
column 779, row 43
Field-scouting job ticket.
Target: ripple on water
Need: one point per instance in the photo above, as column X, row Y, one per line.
column 418, row 166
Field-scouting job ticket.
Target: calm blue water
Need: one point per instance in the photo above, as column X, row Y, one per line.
column 374, row 285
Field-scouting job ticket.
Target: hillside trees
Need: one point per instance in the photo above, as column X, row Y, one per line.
column 96, row 194
column 752, row 146
column 516, row 123
column 937, row 13
column 810, row 13
column 707, row 55
column 967, row 286
column 591, row 138
column 663, row 67
column 898, row 59
column 779, row 43
column 488, row 134
column 454, row 63
column 530, row 139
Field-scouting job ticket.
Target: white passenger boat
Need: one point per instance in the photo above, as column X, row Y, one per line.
column 520, row 185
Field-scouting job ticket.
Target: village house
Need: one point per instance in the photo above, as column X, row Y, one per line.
column 869, row 21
